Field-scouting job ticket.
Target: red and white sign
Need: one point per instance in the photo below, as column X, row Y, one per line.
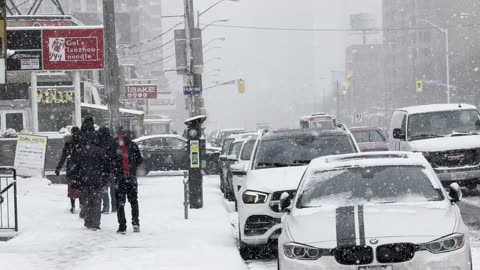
column 141, row 91
column 50, row 23
column 73, row 49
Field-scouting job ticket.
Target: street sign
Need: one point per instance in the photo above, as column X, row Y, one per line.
column 141, row 91
column 192, row 90
column 73, row 49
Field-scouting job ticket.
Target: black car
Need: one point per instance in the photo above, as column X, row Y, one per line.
column 169, row 153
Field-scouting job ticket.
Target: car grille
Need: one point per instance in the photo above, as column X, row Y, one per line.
column 395, row 253
column 354, row 255
column 275, row 201
column 455, row 158
column 259, row 225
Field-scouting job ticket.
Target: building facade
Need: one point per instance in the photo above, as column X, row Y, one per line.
column 415, row 49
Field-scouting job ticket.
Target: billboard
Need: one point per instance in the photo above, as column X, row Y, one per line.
column 73, row 49
column 141, row 91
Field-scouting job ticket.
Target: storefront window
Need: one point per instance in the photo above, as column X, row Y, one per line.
column 53, row 117
column 14, row 121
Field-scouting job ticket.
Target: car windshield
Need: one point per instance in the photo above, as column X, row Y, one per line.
column 248, row 149
column 235, row 148
column 441, row 124
column 300, row 150
column 376, row 185
column 322, row 124
column 226, row 146
column 366, row 136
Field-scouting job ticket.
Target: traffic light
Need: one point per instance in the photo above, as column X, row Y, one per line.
column 344, row 91
column 419, row 86
column 349, row 81
column 241, row 86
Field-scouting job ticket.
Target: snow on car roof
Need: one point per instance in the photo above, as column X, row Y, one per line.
column 304, row 132
column 370, row 159
column 159, row 136
column 437, row 108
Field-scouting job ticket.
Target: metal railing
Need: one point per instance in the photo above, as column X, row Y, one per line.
column 186, row 191
column 8, row 199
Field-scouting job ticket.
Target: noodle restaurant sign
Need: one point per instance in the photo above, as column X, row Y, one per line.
column 73, row 49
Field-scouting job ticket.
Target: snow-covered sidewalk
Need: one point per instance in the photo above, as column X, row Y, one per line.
column 52, row 238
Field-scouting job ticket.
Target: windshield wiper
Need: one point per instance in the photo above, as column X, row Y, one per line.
column 457, row 134
column 272, row 164
column 426, row 136
column 300, row 161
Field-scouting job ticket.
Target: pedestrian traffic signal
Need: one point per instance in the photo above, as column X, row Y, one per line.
column 419, row 86
column 241, row 86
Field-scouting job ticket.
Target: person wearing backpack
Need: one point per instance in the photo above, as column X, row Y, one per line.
column 126, row 181
column 92, row 168
column 68, row 155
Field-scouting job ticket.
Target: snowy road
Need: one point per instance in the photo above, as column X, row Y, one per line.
column 52, row 238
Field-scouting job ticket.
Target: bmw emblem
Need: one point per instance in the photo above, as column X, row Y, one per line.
column 374, row 241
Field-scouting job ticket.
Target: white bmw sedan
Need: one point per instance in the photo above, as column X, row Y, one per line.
column 382, row 211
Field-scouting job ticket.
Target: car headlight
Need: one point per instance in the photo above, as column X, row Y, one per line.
column 303, row 252
column 445, row 244
column 254, row 197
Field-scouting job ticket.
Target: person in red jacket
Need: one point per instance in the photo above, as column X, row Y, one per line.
column 126, row 181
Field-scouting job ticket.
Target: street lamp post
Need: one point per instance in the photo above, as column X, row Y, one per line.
column 447, row 49
column 212, row 6
column 221, row 20
column 213, row 40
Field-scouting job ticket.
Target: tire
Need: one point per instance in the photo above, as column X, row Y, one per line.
column 246, row 252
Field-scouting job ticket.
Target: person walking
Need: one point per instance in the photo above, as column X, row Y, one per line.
column 126, row 181
column 72, row 173
column 109, row 166
column 92, row 157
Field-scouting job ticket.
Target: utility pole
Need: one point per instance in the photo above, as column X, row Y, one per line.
column 112, row 68
column 191, row 78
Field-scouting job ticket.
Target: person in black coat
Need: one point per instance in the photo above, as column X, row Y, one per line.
column 109, row 166
column 68, row 155
column 126, row 181
column 92, row 156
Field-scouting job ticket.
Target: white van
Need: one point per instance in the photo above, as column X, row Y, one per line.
column 448, row 135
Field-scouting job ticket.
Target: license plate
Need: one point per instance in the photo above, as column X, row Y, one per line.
column 379, row 267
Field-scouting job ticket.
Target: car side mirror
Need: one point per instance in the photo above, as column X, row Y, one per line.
column 238, row 169
column 455, row 193
column 232, row 158
column 285, row 203
column 223, row 157
column 399, row 134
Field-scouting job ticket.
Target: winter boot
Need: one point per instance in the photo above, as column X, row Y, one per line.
column 72, row 210
column 136, row 228
column 122, row 229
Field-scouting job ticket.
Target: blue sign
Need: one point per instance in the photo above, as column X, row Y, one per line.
column 192, row 90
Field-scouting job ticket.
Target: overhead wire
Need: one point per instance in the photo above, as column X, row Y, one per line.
column 154, row 38
column 337, row 29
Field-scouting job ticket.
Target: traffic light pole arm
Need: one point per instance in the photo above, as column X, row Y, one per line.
column 231, row 82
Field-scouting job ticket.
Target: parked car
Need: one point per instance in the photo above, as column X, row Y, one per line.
column 279, row 161
column 447, row 135
column 222, row 135
column 170, row 152
column 243, row 161
column 379, row 210
column 370, row 139
column 233, row 146
column 318, row 120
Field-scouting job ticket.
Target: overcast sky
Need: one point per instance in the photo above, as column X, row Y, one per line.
column 287, row 73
